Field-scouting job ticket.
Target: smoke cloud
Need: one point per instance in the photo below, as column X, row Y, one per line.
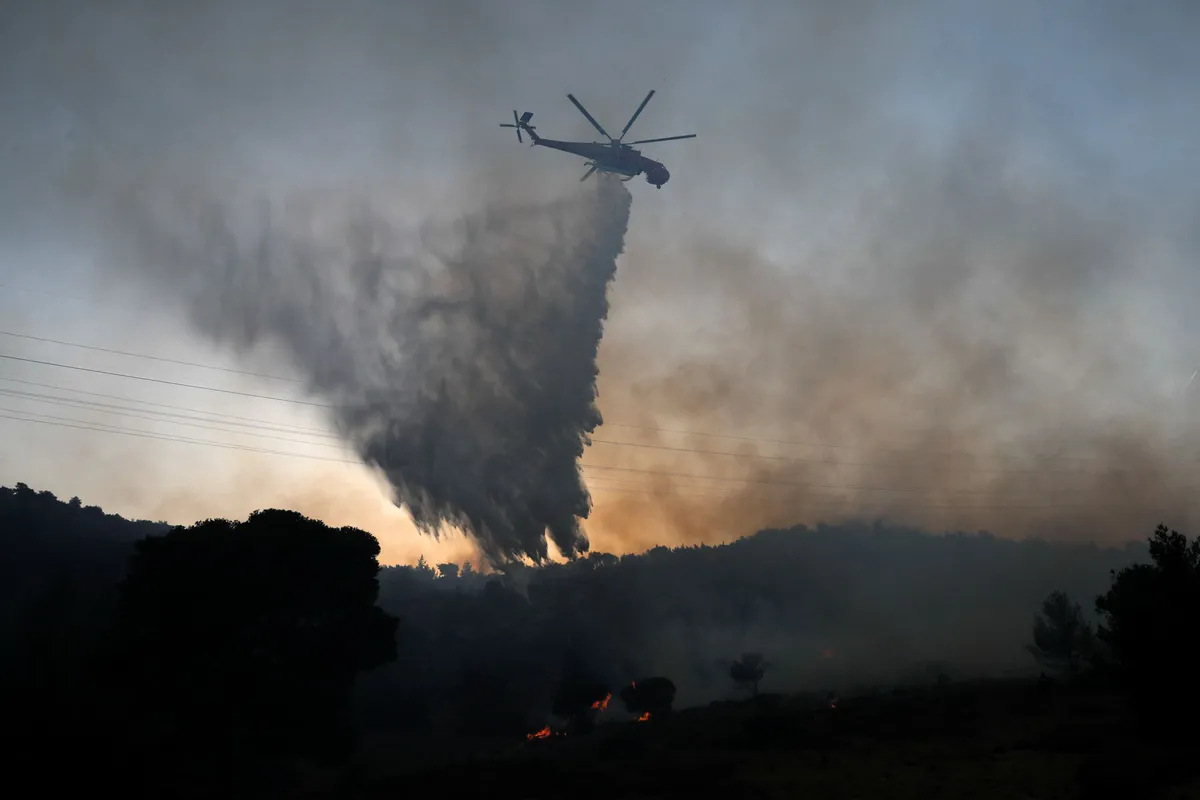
column 459, row 359
column 931, row 261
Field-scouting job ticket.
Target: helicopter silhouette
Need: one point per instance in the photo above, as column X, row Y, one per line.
column 614, row 157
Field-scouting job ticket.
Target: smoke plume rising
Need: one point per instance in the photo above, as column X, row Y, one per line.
column 460, row 360
column 928, row 261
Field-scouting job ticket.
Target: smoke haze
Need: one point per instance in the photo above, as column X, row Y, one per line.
column 930, row 261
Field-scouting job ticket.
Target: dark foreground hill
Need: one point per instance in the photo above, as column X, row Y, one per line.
column 275, row 618
column 994, row 739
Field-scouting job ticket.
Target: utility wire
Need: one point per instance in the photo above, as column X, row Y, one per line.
column 147, row 357
column 298, row 428
column 166, row 382
column 104, row 427
column 1115, row 508
column 81, row 405
column 596, row 440
column 786, row 442
column 275, row 428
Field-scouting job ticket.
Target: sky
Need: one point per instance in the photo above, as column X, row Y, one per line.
column 931, row 260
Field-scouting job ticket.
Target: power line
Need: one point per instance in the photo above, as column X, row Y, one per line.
column 599, row 441
column 198, row 365
column 105, row 428
column 607, row 424
column 698, row 451
column 269, row 426
column 702, row 434
column 264, row 425
column 83, row 405
column 147, row 357
column 166, row 382
column 59, row 422
column 100, row 427
column 786, row 442
column 889, row 507
column 298, row 428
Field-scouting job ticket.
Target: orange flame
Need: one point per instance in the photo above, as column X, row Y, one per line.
column 602, row 704
column 644, row 717
column 544, row 733
column 827, row 653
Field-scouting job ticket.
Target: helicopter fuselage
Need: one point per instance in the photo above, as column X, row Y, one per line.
column 618, row 160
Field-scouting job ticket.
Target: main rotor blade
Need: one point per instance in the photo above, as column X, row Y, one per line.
column 664, row 139
column 583, row 111
column 636, row 113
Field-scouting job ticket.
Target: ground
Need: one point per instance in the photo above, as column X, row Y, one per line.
column 987, row 740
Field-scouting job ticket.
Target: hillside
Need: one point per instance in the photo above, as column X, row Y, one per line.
column 998, row 739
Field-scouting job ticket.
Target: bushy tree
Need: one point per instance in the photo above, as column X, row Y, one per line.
column 246, row 636
column 1152, row 624
column 1063, row 642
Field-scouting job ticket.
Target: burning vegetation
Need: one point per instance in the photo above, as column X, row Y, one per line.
column 580, row 703
column 649, row 697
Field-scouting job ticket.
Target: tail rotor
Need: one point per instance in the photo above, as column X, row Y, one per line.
column 519, row 123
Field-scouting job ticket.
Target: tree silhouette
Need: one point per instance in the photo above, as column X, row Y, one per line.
column 494, row 650
column 1062, row 640
column 1152, row 623
column 748, row 671
column 246, row 636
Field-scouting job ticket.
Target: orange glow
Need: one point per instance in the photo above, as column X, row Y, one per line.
column 544, row 733
column 644, row 717
column 827, row 653
column 602, row 704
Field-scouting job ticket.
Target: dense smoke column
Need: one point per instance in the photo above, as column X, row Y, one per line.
column 493, row 446
column 460, row 361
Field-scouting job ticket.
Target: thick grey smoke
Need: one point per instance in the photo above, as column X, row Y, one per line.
column 459, row 359
column 929, row 261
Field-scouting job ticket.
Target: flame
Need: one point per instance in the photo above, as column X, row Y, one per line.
column 602, row 704
column 544, row 733
column 827, row 653
column 644, row 717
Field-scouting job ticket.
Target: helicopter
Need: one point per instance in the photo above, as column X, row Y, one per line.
column 614, row 157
